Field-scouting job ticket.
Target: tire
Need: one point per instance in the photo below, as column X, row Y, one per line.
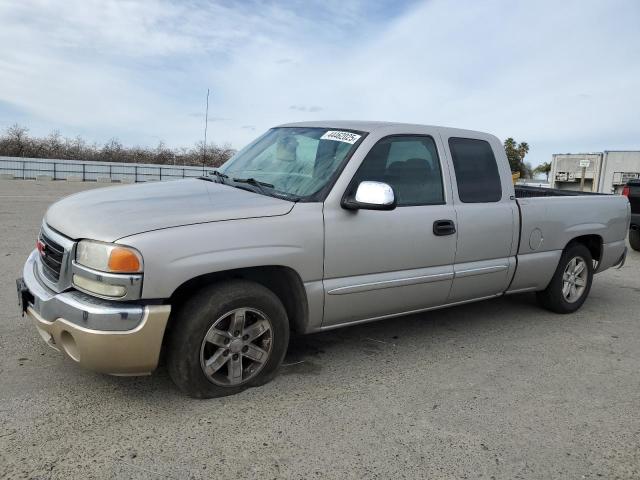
column 229, row 354
column 634, row 239
column 555, row 297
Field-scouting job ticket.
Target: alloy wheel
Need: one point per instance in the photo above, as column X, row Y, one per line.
column 236, row 347
column 574, row 279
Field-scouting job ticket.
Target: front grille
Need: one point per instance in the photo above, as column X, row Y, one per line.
column 51, row 257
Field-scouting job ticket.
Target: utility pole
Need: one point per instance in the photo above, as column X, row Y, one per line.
column 206, row 124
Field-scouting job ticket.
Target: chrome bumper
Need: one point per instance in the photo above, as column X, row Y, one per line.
column 102, row 335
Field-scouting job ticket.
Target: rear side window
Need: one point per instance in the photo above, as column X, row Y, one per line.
column 476, row 170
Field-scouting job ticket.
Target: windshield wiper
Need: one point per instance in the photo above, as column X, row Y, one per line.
column 260, row 186
column 220, row 176
column 286, row 196
column 255, row 183
column 216, row 174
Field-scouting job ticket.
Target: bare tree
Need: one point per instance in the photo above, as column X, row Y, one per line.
column 16, row 142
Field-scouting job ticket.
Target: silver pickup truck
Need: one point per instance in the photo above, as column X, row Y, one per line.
column 313, row 226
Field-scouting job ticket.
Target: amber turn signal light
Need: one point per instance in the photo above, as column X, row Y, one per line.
column 123, row 260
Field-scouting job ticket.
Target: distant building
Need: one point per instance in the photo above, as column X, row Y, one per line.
column 618, row 168
column 605, row 172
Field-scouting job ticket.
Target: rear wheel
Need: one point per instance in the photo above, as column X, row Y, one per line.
column 571, row 281
column 634, row 239
column 227, row 337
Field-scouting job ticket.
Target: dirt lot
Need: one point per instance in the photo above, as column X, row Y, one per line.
column 498, row 389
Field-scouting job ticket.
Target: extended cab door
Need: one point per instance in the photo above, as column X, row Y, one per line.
column 487, row 217
column 384, row 263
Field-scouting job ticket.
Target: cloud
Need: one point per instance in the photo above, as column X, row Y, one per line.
column 303, row 108
column 136, row 69
column 562, row 77
column 210, row 119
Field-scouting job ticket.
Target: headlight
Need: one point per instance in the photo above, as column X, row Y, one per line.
column 108, row 257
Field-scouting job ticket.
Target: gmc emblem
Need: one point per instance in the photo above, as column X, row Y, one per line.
column 42, row 248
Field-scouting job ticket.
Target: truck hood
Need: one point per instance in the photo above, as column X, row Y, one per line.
column 108, row 214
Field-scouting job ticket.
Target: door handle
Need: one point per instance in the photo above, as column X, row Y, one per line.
column 444, row 227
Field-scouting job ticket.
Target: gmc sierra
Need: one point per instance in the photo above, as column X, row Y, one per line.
column 313, row 226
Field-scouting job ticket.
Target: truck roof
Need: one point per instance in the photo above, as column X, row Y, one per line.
column 370, row 126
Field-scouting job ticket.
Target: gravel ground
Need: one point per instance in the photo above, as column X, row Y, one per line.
column 497, row 389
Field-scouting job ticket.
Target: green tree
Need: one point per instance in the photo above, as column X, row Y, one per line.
column 544, row 167
column 515, row 153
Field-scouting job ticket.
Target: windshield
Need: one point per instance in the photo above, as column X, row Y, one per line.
column 297, row 161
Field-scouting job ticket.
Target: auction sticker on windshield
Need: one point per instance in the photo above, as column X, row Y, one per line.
column 339, row 136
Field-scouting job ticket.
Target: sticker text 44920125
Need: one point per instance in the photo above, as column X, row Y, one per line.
column 340, row 136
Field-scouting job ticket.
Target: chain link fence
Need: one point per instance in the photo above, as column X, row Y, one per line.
column 85, row 171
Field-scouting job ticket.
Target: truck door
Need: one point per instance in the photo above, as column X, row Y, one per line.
column 384, row 263
column 486, row 216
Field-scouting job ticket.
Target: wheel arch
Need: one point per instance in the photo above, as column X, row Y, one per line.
column 283, row 281
column 593, row 242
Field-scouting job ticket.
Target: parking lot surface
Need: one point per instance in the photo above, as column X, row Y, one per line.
column 497, row 389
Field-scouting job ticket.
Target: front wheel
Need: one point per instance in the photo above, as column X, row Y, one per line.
column 226, row 338
column 571, row 282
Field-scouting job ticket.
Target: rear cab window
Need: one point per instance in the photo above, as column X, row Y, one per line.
column 476, row 170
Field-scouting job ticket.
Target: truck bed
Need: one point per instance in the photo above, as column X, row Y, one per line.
column 523, row 191
column 551, row 218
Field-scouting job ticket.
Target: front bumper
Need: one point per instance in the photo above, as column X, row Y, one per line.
column 106, row 336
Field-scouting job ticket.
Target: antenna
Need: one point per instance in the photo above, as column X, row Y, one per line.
column 206, row 124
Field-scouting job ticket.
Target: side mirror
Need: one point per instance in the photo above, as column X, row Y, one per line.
column 371, row 196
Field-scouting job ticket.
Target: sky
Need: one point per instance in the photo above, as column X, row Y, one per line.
column 562, row 76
